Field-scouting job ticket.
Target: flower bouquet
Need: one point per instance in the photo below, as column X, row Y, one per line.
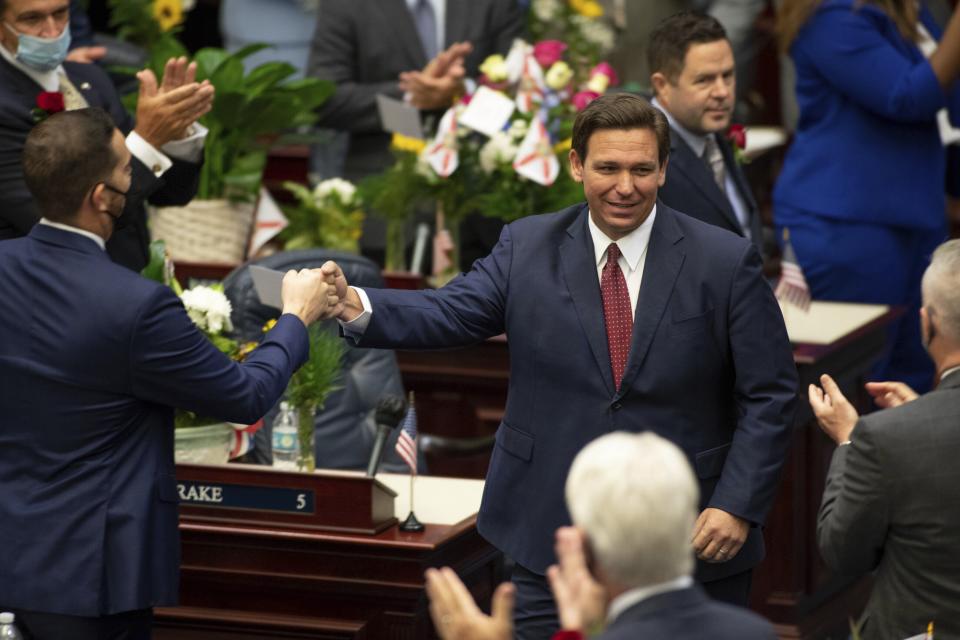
column 329, row 216
column 513, row 167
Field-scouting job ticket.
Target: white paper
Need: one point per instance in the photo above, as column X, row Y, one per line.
column 268, row 222
column 268, row 284
column 397, row 116
column 488, row 111
column 827, row 322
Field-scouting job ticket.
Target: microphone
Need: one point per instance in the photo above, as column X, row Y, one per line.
column 390, row 411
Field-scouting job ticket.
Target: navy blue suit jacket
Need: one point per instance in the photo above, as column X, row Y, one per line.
column 129, row 246
column 867, row 147
column 93, row 358
column 690, row 188
column 687, row 614
column 710, row 367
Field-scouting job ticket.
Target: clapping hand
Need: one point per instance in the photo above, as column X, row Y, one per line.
column 86, row 55
column 165, row 112
column 834, row 413
column 440, row 81
column 581, row 600
column 457, row 617
column 891, row 394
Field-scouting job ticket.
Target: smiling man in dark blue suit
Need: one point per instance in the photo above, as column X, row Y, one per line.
column 93, row 360
column 622, row 314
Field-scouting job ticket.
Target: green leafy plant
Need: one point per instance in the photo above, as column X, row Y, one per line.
column 312, row 384
column 328, row 216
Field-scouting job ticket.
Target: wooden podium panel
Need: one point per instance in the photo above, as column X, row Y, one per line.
column 241, row 578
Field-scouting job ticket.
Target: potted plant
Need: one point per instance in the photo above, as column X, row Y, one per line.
column 250, row 110
column 329, row 216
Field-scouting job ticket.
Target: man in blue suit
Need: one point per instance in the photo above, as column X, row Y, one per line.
column 622, row 314
column 165, row 140
column 93, row 360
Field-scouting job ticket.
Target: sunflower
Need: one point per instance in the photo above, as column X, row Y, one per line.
column 168, row 13
column 587, row 8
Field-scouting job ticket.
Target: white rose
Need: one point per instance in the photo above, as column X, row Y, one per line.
column 545, row 10
column 208, row 308
column 559, row 75
column 596, row 32
column 500, row 149
column 518, row 129
column 343, row 188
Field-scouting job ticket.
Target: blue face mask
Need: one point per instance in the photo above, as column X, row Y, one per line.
column 42, row 54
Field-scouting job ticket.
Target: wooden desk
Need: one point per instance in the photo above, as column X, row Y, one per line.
column 271, row 582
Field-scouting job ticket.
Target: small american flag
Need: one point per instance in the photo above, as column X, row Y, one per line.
column 407, row 440
column 792, row 286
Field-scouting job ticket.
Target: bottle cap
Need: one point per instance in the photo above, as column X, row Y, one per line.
column 6, row 618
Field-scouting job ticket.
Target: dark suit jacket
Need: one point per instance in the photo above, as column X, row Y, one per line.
column 364, row 45
column 687, row 614
column 690, row 188
column 18, row 213
column 892, row 506
column 93, row 358
column 710, row 367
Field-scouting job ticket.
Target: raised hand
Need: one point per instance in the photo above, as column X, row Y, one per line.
column 457, row 617
column 437, row 85
column 86, row 55
column 165, row 113
column 835, row 415
column 581, row 600
column 891, row 394
column 718, row 535
column 307, row 295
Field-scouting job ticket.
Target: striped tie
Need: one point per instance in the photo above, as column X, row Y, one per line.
column 72, row 98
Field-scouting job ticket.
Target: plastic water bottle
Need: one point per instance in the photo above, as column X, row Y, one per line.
column 286, row 444
column 8, row 630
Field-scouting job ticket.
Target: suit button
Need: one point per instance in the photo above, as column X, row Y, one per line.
column 617, row 406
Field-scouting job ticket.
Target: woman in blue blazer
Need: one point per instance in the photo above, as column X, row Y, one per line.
column 862, row 187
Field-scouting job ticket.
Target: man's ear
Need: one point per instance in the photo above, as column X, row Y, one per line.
column 663, row 172
column 576, row 166
column 661, row 86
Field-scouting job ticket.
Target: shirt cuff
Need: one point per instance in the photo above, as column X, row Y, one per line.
column 189, row 149
column 148, row 154
column 356, row 327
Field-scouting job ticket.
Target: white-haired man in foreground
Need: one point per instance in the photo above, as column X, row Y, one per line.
column 626, row 564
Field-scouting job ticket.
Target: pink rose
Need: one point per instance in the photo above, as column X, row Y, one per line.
column 582, row 98
column 548, row 51
column 605, row 69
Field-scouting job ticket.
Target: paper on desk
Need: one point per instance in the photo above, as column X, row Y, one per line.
column 268, row 284
column 827, row 322
column 437, row 500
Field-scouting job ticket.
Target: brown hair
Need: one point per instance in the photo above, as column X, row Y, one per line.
column 669, row 41
column 620, row 111
column 793, row 14
column 66, row 156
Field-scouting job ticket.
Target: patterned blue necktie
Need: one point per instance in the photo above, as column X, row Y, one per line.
column 426, row 20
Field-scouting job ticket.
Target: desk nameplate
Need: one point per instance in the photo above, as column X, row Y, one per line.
column 256, row 495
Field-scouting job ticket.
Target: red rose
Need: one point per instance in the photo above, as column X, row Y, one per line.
column 582, row 98
column 50, row 101
column 737, row 135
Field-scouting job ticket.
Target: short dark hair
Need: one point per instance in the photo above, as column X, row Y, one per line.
column 65, row 156
column 620, row 111
column 669, row 41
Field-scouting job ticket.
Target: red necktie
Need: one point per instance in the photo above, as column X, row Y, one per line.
column 616, row 313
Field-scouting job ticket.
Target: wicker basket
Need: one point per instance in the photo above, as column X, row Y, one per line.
column 211, row 231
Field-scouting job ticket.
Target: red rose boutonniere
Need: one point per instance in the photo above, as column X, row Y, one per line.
column 737, row 137
column 48, row 103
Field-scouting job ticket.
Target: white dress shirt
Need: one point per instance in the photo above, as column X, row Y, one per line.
column 697, row 143
column 189, row 149
column 948, row 372
column 78, row 231
column 628, row 599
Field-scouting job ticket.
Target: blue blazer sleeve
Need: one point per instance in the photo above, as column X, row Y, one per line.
column 469, row 309
column 862, row 55
column 173, row 363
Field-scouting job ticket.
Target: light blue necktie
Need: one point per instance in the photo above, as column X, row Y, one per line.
column 426, row 20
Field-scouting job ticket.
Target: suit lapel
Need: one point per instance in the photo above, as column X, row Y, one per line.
column 683, row 159
column 579, row 266
column 663, row 263
column 18, row 82
column 399, row 22
column 736, row 173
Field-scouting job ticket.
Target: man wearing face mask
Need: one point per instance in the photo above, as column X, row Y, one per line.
column 166, row 142
column 890, row 504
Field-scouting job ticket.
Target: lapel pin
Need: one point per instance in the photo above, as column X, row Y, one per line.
column 85, row 86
